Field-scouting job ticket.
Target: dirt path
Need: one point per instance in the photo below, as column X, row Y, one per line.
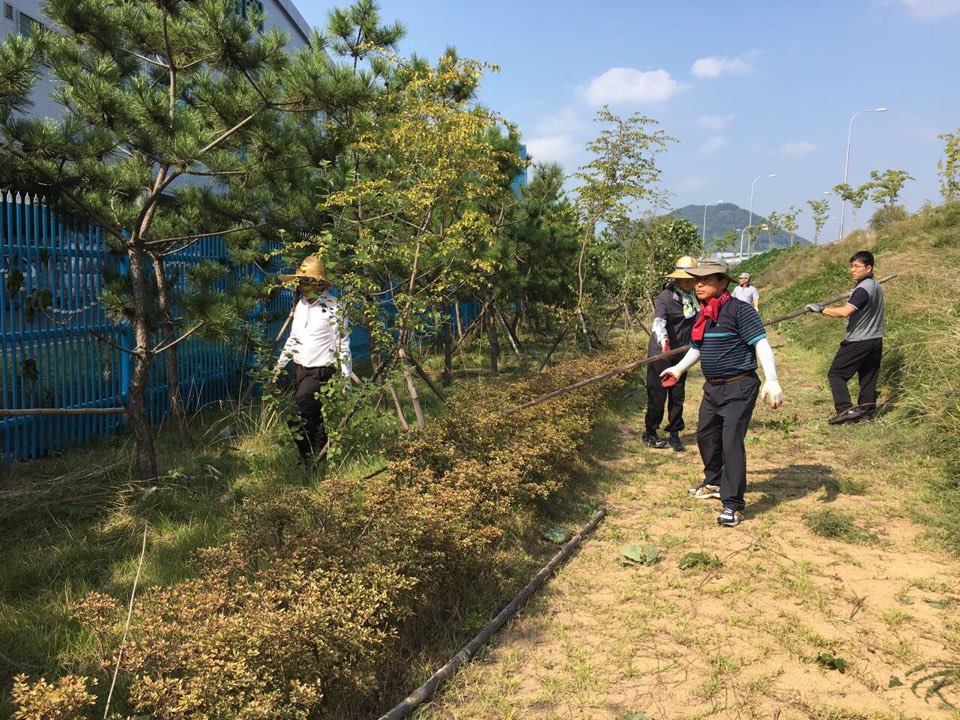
column 741, row 640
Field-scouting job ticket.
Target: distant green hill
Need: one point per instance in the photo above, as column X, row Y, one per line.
column 727, row 216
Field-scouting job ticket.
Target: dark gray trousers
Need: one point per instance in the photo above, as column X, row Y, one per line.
column 725, row 413
column 657, row 397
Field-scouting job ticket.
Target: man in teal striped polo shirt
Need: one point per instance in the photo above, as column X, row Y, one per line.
column 727, row 339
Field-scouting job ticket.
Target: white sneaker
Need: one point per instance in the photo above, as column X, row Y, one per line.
column 705, row 492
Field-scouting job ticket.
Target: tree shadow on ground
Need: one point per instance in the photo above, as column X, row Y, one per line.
column 789, row 483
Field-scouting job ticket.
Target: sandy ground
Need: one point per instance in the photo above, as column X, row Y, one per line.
column 610, row 639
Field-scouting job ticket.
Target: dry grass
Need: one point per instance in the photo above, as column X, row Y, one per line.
column 741, row 639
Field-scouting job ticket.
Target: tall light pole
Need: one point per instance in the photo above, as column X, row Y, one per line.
column 846, row 161
column 750, row 223
column 703, row 236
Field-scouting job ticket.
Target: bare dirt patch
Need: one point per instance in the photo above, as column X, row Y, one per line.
column 764, row 634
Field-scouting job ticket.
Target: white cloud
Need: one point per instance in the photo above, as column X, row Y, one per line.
column 691, row 183
column 714, row 144
column 797, row 148
column 711, row 67
column 620, row 85
column 562, row 122
column 932, row 9
column 551, row 148
column 714, row 122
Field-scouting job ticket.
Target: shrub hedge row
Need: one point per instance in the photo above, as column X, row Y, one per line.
column 292, row 617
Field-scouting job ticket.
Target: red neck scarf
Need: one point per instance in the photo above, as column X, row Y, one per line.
column 710, row 309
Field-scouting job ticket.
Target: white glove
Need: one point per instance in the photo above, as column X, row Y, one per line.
column 815, row 307
column 674, row 370
column 772, row 393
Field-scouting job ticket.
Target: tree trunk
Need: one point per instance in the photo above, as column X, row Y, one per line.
column 490, row 321
column 447, row 346
column 628, row 322
column 177, row 410
column 583, row 329
column 136, row 398
column 396, row 404
column 414, row 397
column 456, row 310
column 514, row 342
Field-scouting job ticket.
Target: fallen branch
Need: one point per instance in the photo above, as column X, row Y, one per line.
column 425, row 691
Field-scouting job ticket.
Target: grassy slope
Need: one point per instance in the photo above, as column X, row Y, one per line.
column 921, row 368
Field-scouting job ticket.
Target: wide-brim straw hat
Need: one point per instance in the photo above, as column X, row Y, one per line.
column 711, row 266
column 680, row 268
column 310, row 269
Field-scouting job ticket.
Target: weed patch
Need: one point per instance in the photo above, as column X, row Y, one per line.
column 837, row 525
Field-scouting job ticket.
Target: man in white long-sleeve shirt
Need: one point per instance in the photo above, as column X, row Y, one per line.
column 319, row 347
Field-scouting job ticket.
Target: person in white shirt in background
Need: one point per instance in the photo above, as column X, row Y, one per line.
column 747, row 292
column 319, row 347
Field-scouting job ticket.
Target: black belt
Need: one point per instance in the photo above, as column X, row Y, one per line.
column 724, row 381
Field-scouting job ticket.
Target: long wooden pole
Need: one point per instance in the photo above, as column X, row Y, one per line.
column 425, row 691
column 630, row 367
column 23, row 412
column 553, row 347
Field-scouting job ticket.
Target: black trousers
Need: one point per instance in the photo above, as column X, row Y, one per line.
column 308, row 429
column 860, row 357
column 725, row 413
column 657, row 397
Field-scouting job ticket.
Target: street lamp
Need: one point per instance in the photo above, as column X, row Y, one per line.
column 846, row 161
column 752, row 186
column 703, row 237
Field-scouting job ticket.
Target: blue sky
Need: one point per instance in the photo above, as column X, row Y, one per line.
column 748, row 88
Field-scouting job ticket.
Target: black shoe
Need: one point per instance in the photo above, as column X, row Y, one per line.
column 674, row 442
column 651, row 439
column 849, row 415
column 729, row 518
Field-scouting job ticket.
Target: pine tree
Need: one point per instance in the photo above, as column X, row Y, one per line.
column 181, row 120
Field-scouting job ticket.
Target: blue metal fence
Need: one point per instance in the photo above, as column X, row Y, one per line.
column 52, row 280
column 52, row 277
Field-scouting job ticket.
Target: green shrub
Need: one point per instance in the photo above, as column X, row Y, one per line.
column 887, row 215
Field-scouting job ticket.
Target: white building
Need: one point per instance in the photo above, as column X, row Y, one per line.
column 24, row 16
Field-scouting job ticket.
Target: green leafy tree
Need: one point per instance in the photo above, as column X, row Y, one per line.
column 821, row 213
column 419, row 210
column 622, row 175
column 885, row 187
column 180, row 121
column 949, row 167
column 788, row 221
column 725, row 242
column 774, row 221
column 855, row 196
column 643, row 251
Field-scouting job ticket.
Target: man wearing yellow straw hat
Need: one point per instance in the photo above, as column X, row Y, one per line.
column 674, row 310
column 319, row 346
